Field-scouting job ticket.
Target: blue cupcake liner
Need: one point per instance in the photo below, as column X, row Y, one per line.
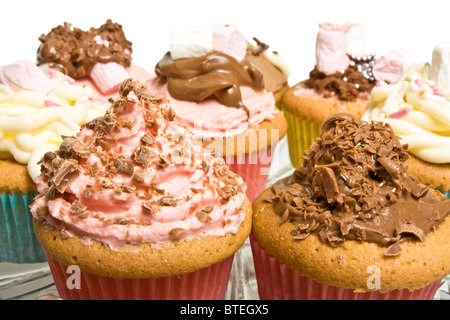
column 18, row 243
column 445, row 193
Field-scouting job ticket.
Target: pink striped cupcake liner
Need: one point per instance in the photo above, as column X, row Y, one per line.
column 276, row 281
column 254, row 169
column 209, row 283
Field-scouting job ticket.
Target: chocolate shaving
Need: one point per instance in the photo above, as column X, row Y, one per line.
column 163, row 161
column 413, row 230
column 42, row 212
column 148, row 139
column 148, row 207
column 175, row 232
column 79, row 209
column 261, row 47
column 331, row 186
column 124, row 165
column 203, row 216
column 168, row 201
column 139, row 176
column 122, row 221
column 142, row 155
column 88, row 192
column 68, row 172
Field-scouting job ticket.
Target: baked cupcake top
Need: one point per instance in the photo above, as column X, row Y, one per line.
column 343, row 68
column 136, row 176
column 353, row 186
column 417, row 108
column 38, row 105
column 218, row 84
column 98, row 58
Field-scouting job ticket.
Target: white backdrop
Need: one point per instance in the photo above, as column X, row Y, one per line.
column 288, row 26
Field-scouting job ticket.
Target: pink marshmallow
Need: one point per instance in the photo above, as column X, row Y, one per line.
column 230, row 41
column 391, row 67
column 107, row 77
column 25, row 75
column 331, row 53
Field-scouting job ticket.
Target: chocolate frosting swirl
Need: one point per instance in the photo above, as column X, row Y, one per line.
column 353, row 186
column 75, row 52
column 214, row 75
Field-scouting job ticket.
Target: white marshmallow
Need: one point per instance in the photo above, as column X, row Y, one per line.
column 107, row 77
column 440, row 66
column 354, row 39
column 230, row 41
column 192, row 42
column 25, row 75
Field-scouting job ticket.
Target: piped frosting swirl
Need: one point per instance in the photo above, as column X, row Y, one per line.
column 135, row 176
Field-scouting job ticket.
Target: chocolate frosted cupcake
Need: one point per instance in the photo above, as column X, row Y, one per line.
column 98, row 58
column 226, row 91
column 136, row 204
column 341, row 81
column 351, row 223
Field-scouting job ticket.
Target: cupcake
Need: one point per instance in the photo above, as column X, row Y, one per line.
column 351, row 223
column 137, row 207
column 37, row 107
column 417, row 108
column 224, row 90
column 98, row 58
column 340, row 82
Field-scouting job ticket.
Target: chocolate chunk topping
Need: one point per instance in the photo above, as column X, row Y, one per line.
column 74, row 51
column 353, row 185
column 346, row 86
column 41, row 212
column 124, row 165
column 175, row 232
column 168, row 201
column 148, row 138
column 65, row 174
column 148, row 207
column 79, row 209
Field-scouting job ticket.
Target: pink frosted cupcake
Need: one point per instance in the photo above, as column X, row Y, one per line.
column 226, row 91
column 98, row 58
column 351, row 223
column 133, row 207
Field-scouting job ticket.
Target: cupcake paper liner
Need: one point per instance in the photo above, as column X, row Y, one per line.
column 254, row 169
column 447, row 194
column 209, row 283
column 18, row 243
column 276, row 281
column 301, row 134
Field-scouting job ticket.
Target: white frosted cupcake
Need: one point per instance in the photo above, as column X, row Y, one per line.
column 37, row 107
column 417, row 107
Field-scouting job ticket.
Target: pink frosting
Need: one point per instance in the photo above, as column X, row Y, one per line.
column 180, row 180
column 25, row 75
column 99, row 96
column 210, row 119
